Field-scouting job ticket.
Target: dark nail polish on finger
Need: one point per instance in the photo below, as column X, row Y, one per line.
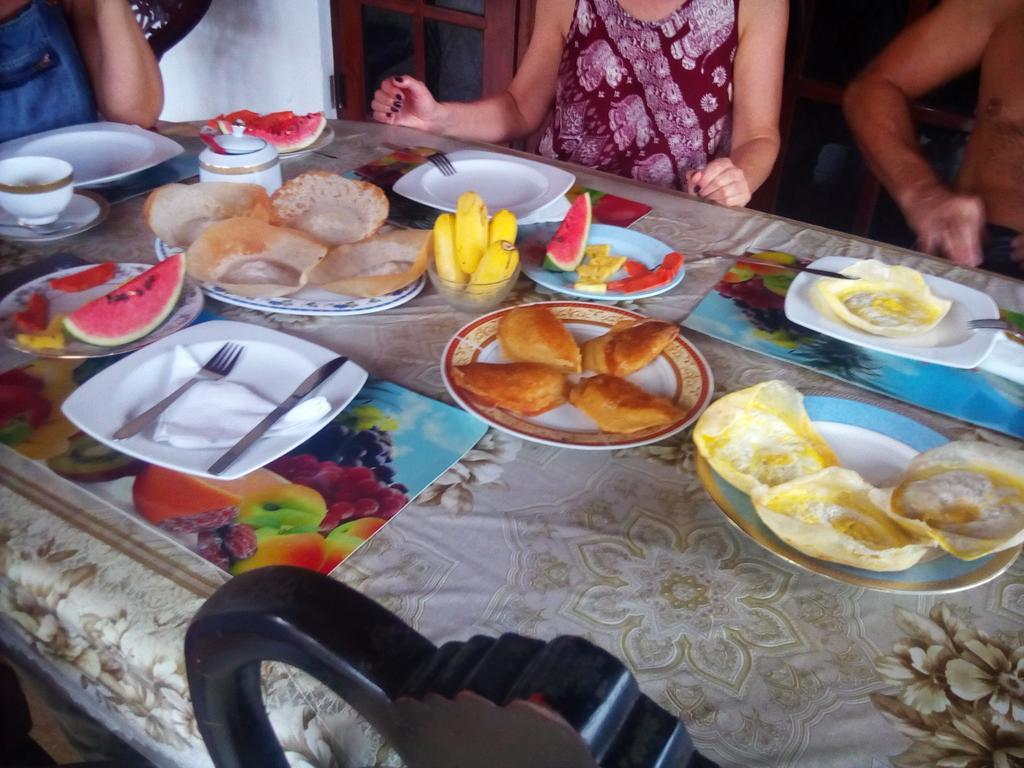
column 396, row 103
column 697, row 189
column 399, row 79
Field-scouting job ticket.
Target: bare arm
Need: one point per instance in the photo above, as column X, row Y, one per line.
column 757, row 97
column 511, row 114
column 943, row 44
column 122, row 68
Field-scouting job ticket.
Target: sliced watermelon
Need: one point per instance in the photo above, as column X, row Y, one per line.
column 567, row 247
column 285, row 130
column 131, row 310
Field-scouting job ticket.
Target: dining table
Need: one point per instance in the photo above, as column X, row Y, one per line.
column 766, row 663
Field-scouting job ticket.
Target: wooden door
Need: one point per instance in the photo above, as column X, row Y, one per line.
column 462, row 49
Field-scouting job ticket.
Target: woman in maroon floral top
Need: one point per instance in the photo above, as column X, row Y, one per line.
column 680, row 94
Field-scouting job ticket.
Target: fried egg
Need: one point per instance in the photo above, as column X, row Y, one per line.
column 967, row 495
column 887, row 300
column 761, row 436
column 831, row 515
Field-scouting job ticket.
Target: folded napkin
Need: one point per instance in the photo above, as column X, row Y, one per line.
column 1006, row 360
column 215, row 414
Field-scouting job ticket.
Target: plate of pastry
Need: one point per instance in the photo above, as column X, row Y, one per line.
column 618, row 264
column 317, row 247
column 858, row 493
column 577, row 375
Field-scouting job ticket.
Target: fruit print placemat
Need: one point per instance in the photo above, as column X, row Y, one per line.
column 310, row 508
column 747, row 309
column 386, row 170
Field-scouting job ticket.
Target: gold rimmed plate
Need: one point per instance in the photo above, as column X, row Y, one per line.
column 878, row 444
column 680, row 374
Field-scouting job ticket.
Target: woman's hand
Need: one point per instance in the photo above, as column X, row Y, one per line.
column 404, row 100
column 721, row 181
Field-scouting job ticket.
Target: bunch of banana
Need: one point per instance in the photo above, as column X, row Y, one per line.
column 468, row 250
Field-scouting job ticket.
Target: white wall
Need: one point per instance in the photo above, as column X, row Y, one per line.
column 263, row 55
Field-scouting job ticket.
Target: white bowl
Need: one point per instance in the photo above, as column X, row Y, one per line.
column 35, row 189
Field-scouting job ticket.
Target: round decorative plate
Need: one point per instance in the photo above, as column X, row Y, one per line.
column 878, row 444
column 190, row 302
column 324, row 139
column 680, row 373
column 635, row 246
column 310, row 300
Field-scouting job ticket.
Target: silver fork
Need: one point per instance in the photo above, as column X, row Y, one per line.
column 999, row 325
column 217, row 367
column 442, row 163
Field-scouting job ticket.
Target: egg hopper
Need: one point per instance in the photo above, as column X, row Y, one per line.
column 878, row 444
column 951, row 342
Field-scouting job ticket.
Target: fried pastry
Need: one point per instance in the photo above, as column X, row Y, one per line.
column 534, row 334
column 627, row 347
column 523, row 388
column 620, row 406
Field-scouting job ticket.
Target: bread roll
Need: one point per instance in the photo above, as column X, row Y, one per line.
column 523, row 388
column 178, row 213
column 534, row 334
column 331, row 208
column 373, row 267
column 627, row 347
column 619, row 406
column 251, row 258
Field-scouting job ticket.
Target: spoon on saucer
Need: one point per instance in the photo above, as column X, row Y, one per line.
column 39, row 229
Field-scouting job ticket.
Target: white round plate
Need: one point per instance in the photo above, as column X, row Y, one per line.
column 61, row 302
column 503, row 181
column 951, row 342
column 99, row 152
column 624, row 242
column 310, row 300
column 85, row 211
column 878, row 444
column 680, row 374
column 325, row 138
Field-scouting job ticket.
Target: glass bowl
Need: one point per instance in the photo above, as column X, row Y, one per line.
column 464, row 297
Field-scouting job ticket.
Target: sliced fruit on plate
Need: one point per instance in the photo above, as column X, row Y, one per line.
column 51, row 337
column 33, row 317
column 286, row 130
column 131, row 310
column 567, row 247
column 85, row 279
column 663, row 274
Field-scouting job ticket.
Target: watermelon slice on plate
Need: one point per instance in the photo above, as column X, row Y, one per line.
column 287, row 131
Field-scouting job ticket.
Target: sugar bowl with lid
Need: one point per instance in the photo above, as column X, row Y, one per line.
column 241, row 159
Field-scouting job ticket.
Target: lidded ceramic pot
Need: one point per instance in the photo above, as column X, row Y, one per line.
column 246, row 160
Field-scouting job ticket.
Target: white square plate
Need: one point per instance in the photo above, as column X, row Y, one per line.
column 272, row 365
column 950, row 342
column 99, row 152
column 503, row 181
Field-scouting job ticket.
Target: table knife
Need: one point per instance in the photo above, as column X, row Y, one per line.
column 791, row 267
column 314, row 380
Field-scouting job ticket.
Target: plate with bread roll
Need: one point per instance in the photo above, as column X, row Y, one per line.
column 317, row 246
column 577, row 375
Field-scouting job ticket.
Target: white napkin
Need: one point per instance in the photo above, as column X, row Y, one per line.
column 1006, row 359
column 215, row 414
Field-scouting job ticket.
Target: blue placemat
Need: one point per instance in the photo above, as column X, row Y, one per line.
column 748, row 310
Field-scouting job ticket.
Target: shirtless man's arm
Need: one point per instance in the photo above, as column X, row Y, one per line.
column 947, row 42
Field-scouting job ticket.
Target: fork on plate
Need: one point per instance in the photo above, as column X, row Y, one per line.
column 440, row 161
column 217, row 367
column 997, row 324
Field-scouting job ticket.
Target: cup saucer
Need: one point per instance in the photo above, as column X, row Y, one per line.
column 85, row 211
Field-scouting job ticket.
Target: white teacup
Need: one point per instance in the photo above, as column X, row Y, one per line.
column 35, row 189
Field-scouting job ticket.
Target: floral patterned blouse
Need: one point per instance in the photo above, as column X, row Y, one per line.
column 647, row 100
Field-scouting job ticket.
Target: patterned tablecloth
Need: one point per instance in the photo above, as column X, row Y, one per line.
column 768, row 665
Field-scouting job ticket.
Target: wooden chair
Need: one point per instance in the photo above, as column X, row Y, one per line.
column 504, row 702
column 166, row 22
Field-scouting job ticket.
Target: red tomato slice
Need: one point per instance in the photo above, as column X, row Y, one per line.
column 86, row 279
column 35, row 314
